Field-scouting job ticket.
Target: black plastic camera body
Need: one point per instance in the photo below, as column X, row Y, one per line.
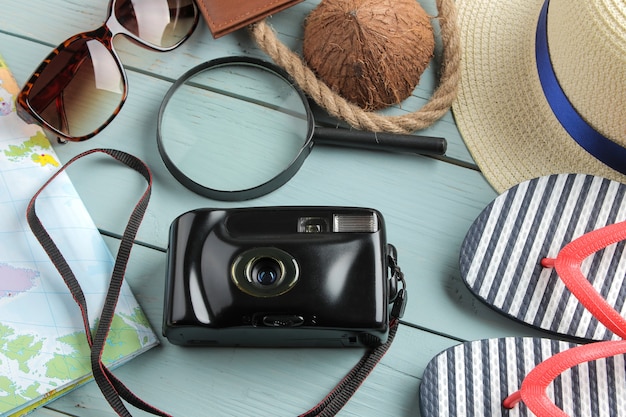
column 278, row 276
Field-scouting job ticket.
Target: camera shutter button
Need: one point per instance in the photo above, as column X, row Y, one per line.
column 283, row 320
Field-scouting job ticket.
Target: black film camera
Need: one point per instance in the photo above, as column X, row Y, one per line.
column 279, row 276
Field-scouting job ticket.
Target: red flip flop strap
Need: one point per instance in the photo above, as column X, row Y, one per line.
column 533, row 389
column 568, row 263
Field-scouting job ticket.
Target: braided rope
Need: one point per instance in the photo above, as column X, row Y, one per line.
column 338, row 107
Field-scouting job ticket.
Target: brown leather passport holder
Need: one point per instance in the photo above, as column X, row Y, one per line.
column 225, row 16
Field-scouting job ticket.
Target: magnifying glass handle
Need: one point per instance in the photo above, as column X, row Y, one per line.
column 424, row 145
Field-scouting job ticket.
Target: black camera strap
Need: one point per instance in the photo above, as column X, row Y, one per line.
column 112, row 388
column 342, row 393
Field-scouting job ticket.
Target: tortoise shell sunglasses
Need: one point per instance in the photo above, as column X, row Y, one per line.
column 81, row 86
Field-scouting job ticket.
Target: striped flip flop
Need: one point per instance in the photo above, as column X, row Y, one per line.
column 501, row 256
column 483, row 378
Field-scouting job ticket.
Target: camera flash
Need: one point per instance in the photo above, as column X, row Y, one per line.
column 349, row 223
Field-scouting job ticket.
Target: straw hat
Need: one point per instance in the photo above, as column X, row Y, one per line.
column 502, row 111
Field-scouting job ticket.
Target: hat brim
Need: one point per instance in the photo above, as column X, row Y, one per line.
column 501, row 111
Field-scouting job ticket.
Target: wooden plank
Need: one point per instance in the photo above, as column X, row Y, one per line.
column 263, row 382
column 31, row 20
column 428, row 204
column 251, row 382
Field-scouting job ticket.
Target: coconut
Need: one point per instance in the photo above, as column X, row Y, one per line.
column 371, row 52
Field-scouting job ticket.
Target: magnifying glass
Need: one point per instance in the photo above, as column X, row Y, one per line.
column 237, row 128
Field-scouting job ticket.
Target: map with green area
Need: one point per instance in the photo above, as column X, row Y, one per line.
column 44, row 352
column 37, row 149
column 35, row 370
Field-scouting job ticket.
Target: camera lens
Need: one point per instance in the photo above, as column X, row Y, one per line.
column 266, row 271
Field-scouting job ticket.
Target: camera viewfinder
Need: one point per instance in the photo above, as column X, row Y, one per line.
column 313, row 225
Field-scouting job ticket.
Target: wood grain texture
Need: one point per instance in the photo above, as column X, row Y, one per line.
column 428, row 204
column 253, row 382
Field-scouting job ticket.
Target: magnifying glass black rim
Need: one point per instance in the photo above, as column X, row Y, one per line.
column 249, row 193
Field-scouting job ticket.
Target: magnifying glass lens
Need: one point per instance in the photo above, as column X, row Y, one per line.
column 233, row 127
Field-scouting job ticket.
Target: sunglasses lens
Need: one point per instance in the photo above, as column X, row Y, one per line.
column 164, row 23
column 79, row 90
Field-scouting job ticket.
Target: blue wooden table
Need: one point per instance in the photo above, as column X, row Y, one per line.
column 428, row 203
